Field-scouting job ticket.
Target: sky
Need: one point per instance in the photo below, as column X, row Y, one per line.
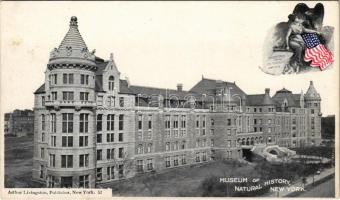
column 157, row 44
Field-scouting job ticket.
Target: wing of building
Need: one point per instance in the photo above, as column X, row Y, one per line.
column 93, row 127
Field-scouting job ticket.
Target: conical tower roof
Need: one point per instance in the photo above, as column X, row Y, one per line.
column 311, row 93
column 72, row 49
column 73, row 37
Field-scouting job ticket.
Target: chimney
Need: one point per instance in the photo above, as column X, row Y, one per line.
column 267, row 91
column 311, row 82
column 180, row 87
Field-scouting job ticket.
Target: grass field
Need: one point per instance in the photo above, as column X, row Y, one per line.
column 177, row 182
column 18, row 162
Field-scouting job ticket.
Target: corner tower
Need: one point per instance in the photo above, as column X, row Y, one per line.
column 313, row 109
column 64, row 154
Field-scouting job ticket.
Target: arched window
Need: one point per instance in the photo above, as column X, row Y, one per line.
column 111, row 83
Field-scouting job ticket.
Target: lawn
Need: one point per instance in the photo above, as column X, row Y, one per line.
column 18, row 162
column 178, row 182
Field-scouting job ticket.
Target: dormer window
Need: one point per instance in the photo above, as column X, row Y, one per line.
column 111, row 83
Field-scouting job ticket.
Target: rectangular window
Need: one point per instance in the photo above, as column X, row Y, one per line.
column 175, row 122
column 83, row 141
column 64, row 78
column 149, row 135
column 198, row 159
column 43, row 122
column 212, row 122
column 140, row 122
column 84, row 123
column 110, row 173
column 110, row 137
column 121, row 171
column 67, row 141
column 121, row 101
column 66, row 161
column 84, row 160
column 167, row 122
column 183, row 122
column 84, row 96
column 150, row 122
column 203, row 121
column 99, row 122
column 52, row 160
column 100, row 100
column 229, row 122
column 121, row 152
column 110, row 122
column 42, row 137
column 82, row 79
column 110, row 154
column 53, row 141
column 229, row 143
column 54, row 96
column 204, row 156
column 99, row 174
column 42, row 101
column 149, row 164
column 167, row 161
column 197, row 121
column 183, row 159
column 84, row 181
column 51, row 181
column 99, row 138
column 120, row 137
column 176, row 160
column 139, row 165
column 68, row 96
column 53, row 123
column 121, row 122
column 55, row 79
column 99, row 154
column 67, row 122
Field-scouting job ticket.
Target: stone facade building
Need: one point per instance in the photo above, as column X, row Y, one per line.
column 19, row 123
column 93, row 127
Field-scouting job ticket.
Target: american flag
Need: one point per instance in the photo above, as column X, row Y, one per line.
column 316, row 52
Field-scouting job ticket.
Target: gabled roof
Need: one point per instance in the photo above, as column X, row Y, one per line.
column 259, row 100
column 40, row 90
column 124, row 87
column 292, row 99
column 209, row 86
column 166, row 93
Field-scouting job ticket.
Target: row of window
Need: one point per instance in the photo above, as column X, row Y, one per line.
column 111, row 101
column 140, row 165
column 68, row 79
column 110, row 153
column 110, row 137
column 67, row 122
column 110, row 172
column 67, row 182
column 110, row 122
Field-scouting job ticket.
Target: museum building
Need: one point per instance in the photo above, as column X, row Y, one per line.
column 92, row 127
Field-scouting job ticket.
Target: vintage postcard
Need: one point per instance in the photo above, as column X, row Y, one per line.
column 105, row 100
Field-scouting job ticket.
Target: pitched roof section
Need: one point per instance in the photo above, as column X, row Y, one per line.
column 209, row 86
column 259, row 100
column 292, row 99
column 40, row 90
column 72, row 49
column 166, row 93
